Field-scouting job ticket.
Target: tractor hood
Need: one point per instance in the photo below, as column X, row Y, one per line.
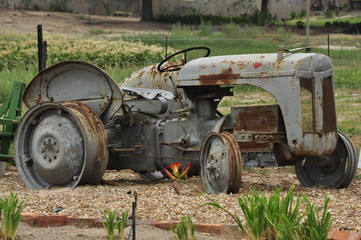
column 225, row 70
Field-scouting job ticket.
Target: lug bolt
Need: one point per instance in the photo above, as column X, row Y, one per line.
column 42, row 150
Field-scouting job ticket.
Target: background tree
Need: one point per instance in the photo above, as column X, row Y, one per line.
column 147, row 11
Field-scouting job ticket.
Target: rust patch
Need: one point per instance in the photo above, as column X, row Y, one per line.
column 235, row 162
column 256, row 118
column 254, row 147
column 226, row 77
column 94, row 128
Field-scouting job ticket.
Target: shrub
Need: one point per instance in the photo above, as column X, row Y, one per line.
column 26, row 4
column 230, row 29
column 301, row 14
column 300, row 25
column 341, row 24
column 60, row 6
column 329, row 13
column 293, row 15
column 108, row 8
column 36, row 7
column 205, row 28
column 255, row 17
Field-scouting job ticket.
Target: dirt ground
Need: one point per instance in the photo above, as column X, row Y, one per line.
column 22, row 22
column 143, row 232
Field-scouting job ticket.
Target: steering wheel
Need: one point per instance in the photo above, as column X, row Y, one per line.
column 176, row 67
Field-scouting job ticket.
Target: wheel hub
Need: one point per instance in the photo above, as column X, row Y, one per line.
column 57, row 148
column 328, row 164
column 213, row 168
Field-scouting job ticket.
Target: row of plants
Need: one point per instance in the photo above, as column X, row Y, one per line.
column 275, row 218
column 255, row 17
column 102, row 52
column 55, row 5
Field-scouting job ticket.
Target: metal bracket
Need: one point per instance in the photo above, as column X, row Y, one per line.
column 259, row 137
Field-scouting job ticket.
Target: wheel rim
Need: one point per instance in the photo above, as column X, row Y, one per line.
column 54, row 146
column 221, row 163
column 335, row 170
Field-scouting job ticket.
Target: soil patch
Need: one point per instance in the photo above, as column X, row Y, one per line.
column 23, row 22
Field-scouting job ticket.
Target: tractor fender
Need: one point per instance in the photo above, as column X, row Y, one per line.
column 76, row 81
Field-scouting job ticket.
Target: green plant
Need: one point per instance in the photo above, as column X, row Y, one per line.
column 113, row 223
column 60, row 5
column 315, row 227
column 301, row 14
column 96, row 31
column 121, row 14
column 293, row 15
column 205, row 28
column 231, row 29
column 300, row 25
column 108, row 8
column 26, row 4
column 279, row 217
column 185, row 229
column 329, row 13
column 36, row 7
column 327, row 24
column 10, row 215
column 110, row 224
column 122, row 223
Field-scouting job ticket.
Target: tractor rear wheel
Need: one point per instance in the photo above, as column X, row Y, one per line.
column 60, row 145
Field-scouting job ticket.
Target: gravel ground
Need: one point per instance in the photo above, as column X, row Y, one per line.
column 169, row 200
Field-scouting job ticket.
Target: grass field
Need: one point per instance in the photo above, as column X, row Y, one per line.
column 222, row 40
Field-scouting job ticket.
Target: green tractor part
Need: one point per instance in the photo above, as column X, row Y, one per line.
column 10, row 113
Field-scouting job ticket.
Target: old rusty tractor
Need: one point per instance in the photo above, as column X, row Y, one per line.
column 80, row 123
